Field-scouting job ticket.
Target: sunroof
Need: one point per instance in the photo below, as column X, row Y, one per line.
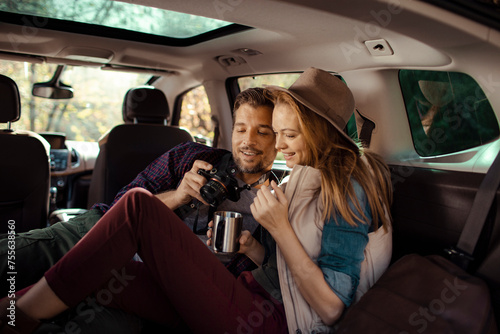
column 119, row 15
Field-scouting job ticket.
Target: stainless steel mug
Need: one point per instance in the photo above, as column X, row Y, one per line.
column 226, row 231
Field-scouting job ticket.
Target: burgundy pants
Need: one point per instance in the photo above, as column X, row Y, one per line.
column 180, row 283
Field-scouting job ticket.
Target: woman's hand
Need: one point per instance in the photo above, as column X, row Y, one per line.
column 247, row 242
column 251, row 248
column 271, row 210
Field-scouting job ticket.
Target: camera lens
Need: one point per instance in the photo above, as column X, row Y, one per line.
column 214, row 192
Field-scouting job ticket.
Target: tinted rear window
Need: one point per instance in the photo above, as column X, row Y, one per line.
column 447, row 111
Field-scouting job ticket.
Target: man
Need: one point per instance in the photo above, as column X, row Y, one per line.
column 174, row 178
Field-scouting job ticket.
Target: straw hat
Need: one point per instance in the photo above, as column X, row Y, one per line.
column 326, row 95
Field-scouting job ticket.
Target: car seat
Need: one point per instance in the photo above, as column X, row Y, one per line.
column 24, row 168
column 129, row 148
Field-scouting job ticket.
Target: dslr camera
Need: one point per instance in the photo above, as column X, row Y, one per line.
column 221, row 185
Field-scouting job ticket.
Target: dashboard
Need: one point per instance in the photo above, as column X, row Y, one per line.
column 71, row 166
column 60, row 156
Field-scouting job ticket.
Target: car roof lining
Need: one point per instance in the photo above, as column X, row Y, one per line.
column 343, row 22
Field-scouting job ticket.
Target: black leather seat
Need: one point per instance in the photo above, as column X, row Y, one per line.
column 24, row 168
column 129, row 148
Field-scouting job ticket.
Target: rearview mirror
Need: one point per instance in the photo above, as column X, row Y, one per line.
column 45, row 90
column 53, row 89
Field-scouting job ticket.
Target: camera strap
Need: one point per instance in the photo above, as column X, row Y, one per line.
column 267, row 176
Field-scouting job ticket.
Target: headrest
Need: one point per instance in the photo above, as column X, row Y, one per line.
column 437, row 93
column 145, row 105
column 10, row 100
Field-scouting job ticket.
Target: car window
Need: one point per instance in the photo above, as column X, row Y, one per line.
column 196, row 115
column 282, row 80
column 94, row 109
column 447, row 111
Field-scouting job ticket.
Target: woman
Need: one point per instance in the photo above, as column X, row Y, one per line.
column 183, row 285
column 323, row 218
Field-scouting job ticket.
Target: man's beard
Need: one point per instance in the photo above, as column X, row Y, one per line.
column 257, row 169
column 260, row 168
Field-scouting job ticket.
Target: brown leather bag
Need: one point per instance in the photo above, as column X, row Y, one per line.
column 423, row 295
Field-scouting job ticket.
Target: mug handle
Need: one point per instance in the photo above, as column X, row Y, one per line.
column 220, row 234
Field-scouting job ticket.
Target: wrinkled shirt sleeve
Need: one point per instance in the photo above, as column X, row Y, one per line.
column 166, row 172
column 342, row 250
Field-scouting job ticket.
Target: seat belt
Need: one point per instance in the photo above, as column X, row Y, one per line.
column 463, row 253
column 215, row 121
column 365, row 134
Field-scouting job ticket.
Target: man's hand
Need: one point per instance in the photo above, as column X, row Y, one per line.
column 189, row 187
column 248, row 245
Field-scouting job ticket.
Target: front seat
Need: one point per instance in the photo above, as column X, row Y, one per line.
column 24, row 168
column 129, row 148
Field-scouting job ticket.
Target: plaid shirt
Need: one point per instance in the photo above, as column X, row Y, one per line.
column 166, row 173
